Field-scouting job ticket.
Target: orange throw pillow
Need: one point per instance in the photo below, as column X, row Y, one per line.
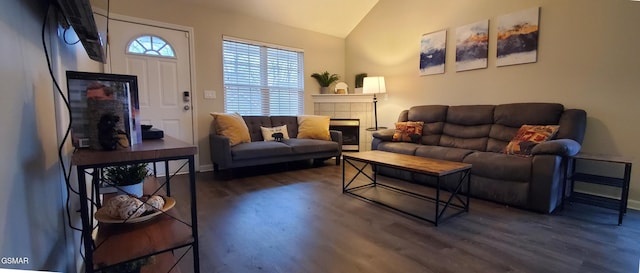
column 408, row 131
column 528, row 136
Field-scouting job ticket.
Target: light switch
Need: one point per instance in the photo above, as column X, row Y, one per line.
column 210, row 94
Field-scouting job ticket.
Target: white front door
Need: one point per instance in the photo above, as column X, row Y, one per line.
column 160, row 58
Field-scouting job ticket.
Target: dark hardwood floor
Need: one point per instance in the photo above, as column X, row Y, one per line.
column 295, row 219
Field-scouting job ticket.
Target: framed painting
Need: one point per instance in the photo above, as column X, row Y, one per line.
column 472, row 43
column 113, row 93
column 433, row 52
column 518, row 37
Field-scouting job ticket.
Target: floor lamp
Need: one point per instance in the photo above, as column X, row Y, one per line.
column 374, row 85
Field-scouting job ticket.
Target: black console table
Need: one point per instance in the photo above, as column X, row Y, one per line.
column 621, row 182
column 113, row 244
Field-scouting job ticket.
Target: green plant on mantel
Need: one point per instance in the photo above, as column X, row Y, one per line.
column 325, row 78
column 360, row 79
column 126, row 175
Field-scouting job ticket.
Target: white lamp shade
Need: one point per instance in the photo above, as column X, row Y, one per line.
column 373, row 85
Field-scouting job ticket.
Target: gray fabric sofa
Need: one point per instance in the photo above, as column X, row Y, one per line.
column 477, row 134
column 260, row 152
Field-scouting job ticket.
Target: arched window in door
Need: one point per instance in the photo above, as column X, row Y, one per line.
column 151, row 45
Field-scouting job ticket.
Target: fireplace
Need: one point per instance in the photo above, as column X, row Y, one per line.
column 350, row 129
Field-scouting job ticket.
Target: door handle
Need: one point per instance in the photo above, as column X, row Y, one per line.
column 186, row 107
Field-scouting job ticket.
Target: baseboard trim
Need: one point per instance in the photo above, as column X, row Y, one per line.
column 631, row 204
column 206, row 168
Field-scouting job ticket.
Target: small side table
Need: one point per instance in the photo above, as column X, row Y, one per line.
column 606, row 202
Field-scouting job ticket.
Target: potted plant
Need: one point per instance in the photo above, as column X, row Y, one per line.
column 131, row 267
column 359, row 81
column 325, row 79
column 127, row 178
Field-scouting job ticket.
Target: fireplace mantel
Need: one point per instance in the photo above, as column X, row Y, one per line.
column 342, row 98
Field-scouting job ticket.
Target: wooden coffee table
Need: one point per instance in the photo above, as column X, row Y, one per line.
column 414, row 164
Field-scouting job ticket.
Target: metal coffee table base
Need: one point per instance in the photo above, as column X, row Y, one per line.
column 441, row 206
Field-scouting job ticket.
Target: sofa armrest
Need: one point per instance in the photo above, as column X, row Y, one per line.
column 545, row 187
column 337, row 137
column 220, row 151
column 384, row 135
column 561, row 147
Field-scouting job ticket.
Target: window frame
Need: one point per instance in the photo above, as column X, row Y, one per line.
column 269, row 78
column 151, row 38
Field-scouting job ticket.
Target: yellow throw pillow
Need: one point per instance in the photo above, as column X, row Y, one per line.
column 232, row 126
column 314, row 127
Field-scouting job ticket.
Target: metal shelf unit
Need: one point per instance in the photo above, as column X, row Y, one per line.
column 114, row 244
column 619, row 204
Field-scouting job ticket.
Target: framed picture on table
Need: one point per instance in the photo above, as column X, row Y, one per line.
column 91, row 94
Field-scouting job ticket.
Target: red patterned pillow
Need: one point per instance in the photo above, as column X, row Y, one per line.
column 408, row 131
column 528, row 136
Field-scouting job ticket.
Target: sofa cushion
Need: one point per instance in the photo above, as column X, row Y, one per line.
column 513, row 193
column 433, row 117
column 518, row 114
column 267, row 132
column 260, row 149
column 254, row 123
column 408, row 131
column 231, row 126
column 399, row 147
column 528, row 136
column 470, row 114
column 467, row 127
column 500, row 166
column 428, row 113
column 290, row 121
column 499, row 137
column 304, row 146
column 465, row 137
column 314, row 127
column 509, row 117
column 444, row 153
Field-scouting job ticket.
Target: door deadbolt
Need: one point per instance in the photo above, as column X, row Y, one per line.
column 185, row 97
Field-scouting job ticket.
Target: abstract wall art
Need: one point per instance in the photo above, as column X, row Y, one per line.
column 518, row 37
column 472, row 43
column 433, row 52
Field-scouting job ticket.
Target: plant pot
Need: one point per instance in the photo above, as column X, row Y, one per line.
column 324, row 90
column 135, row 189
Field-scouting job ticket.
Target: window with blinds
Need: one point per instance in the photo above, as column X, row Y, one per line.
column 262, row 80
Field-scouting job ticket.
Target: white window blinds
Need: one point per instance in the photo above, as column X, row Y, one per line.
column 262, row 80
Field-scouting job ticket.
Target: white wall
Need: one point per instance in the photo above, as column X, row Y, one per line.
column 321, row 52
column 588, row 58
column 32, row 191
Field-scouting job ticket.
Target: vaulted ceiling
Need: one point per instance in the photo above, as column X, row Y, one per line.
column 332, row 17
